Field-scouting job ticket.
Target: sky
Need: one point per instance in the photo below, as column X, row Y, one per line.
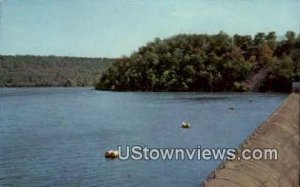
column 112, row 28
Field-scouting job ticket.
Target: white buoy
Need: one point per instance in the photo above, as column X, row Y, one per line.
column 185, row 125
column 112, row 154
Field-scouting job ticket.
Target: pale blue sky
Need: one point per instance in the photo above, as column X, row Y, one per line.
column 111, row 28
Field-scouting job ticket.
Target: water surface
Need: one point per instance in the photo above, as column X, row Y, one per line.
column 58, row 136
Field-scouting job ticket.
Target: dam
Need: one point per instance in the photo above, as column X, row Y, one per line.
column 280, row 131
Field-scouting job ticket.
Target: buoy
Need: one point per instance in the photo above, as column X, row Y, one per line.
column 112, row 154
column 250, row 100
column 185, row 125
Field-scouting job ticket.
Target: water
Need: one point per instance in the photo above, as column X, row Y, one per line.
column 58, row 136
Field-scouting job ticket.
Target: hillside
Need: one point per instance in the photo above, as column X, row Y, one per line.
column 201, row 62
column 50, row 70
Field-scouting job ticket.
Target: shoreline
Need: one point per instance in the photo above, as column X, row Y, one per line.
column 280, row 131
column 141, row 91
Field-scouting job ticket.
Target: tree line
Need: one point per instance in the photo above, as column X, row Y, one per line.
column 28, row 70
column 202, row 62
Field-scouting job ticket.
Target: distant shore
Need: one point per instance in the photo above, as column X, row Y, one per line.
column 142, row 91
column 51, row 71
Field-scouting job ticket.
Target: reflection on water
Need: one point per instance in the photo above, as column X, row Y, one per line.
column 58, row 136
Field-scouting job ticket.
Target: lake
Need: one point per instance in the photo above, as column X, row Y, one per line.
column 58, row 136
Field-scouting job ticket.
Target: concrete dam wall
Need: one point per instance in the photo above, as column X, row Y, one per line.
column 280, row 131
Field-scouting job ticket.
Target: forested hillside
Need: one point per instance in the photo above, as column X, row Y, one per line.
column 50, row 70
column 201, row 62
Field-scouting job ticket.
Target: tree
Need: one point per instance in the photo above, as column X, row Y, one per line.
column 265, row 53
column 242, row 42
column 204, row 63
column 259, row 39
column 291, row 40
column 271, row 40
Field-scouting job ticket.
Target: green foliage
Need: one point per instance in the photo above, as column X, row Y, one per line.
column 279, row 76
column 206, row 63
column 50, row 70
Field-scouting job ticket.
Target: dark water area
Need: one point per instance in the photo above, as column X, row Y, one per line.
column 58, row 136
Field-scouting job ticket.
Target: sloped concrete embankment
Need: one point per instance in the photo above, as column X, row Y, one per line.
column 280, row 131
